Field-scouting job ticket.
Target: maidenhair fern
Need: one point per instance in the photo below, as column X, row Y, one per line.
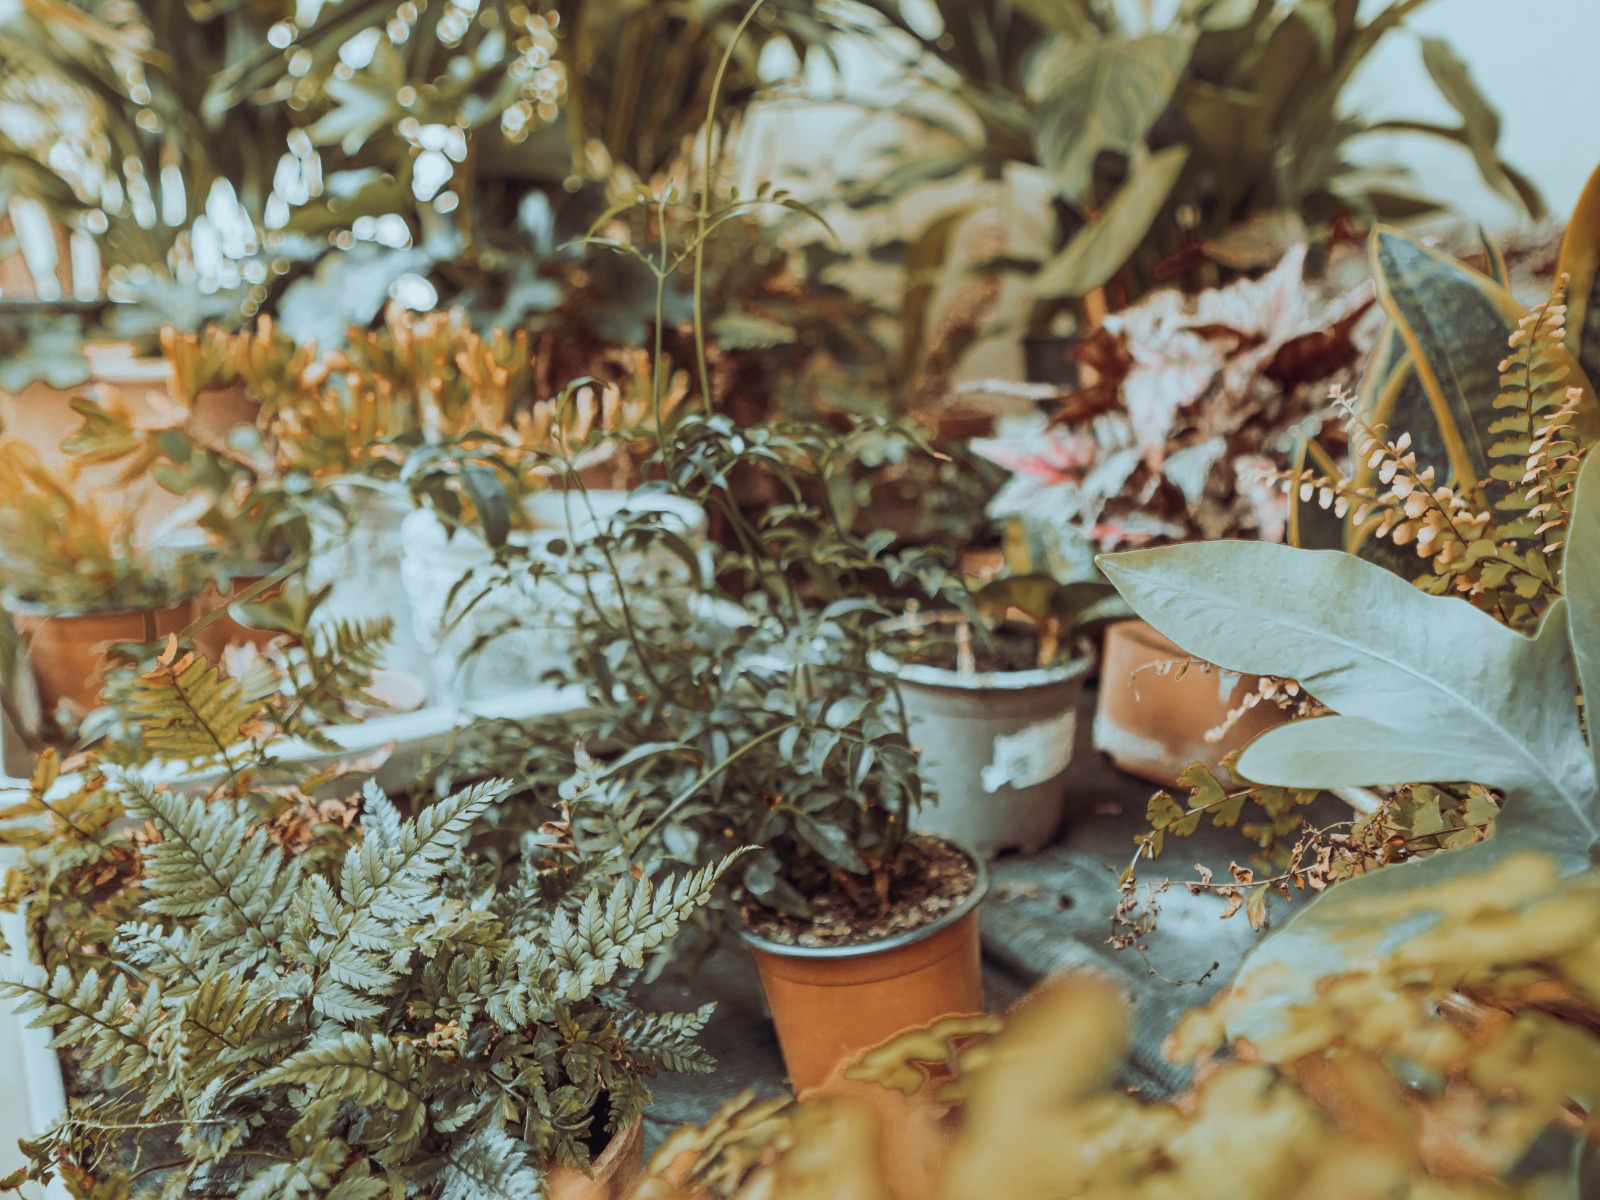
column 385, row 1021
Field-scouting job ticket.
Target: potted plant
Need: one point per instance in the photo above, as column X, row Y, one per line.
column 1195, row 409
column 729, row 711
column 81, row 580
column 991, row 699
column 1156, row 142
column 1480, row 959
column 275, row 988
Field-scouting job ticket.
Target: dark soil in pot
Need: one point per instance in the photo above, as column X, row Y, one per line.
column 931, row 877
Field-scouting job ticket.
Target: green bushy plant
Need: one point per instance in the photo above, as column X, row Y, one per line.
column 265, row 993
column 738, row 705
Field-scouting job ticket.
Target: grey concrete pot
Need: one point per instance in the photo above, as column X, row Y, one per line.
column 994, row 748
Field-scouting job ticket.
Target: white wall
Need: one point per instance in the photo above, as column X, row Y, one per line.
column 1534, row 61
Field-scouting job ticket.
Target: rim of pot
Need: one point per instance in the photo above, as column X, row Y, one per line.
column 973, row 898
column 47, row 612
column 987, row 681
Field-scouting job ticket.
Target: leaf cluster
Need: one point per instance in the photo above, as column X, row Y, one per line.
column 361, row 1008
column 735, row 705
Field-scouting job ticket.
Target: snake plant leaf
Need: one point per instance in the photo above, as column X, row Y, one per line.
column 1105, row 244
column 1580, row 262
column 1580, row 582
column 1099, row 95
column 1426, row 687
column 1455, row 323
column 1312, row 527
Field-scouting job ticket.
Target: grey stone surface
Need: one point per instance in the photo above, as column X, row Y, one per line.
column 1046, row 914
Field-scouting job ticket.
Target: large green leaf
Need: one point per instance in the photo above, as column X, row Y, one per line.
column 1099, row 95
column 1107, row 242
column 1479, row 122
column 1427, row 688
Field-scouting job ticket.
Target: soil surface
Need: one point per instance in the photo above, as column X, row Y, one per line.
column 1005, row 650
column 931, row 878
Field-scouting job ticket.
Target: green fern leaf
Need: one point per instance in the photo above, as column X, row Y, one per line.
column 210, row 866
column 366, row 1070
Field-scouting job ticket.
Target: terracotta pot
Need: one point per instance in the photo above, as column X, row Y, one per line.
column 226, row 631
column 829, row 1003
column 614, row 1174
column 1152, row 721
column 68, row 653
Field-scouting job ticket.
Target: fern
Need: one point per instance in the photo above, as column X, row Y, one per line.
column 211, row 867
column 390, row 876
column 371, row 1071
column 368, row 1007
column 187, row 710
column 618, row 931
column 328, row 675
column 490, row 1166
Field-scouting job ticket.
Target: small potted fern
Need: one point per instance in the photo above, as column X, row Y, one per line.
column 254, row 988
column 79, row 579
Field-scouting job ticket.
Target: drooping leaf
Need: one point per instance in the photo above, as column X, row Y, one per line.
column 1580, row 580
column 1580, row 262
column 1427, row 688
column 1103, row 245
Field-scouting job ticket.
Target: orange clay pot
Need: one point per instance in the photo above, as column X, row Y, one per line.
column 68, row 652
column 225, row 631
column 1152, row 721
column 615, row 1173
column 829, row 1003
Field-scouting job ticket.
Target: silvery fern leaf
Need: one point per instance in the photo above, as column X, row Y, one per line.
column 666, row 1041
column 109, row 1021
column 607, row 936
column 389, row 877
column 368, row 1071
column 210, row 865
column 490, row 1165
column 379, row 816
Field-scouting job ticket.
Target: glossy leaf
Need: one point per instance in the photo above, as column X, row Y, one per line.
column 1580, row 578
column 1580, row 262
column 1455, row 324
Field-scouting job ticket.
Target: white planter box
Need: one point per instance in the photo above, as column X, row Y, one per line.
column 406, row 736
column 31, row 1092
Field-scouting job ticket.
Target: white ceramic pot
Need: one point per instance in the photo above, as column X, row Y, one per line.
column 993, row 749
column 361, row 561
column 491, row 628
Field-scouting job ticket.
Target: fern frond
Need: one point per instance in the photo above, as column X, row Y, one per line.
column 388, row 876
column 605, row 937
column 113, row 1024
column 369, row 1071
column 209, row 865
column 188, row 711
column 330, row 671
column 666, row 1041
column 490, row 1165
